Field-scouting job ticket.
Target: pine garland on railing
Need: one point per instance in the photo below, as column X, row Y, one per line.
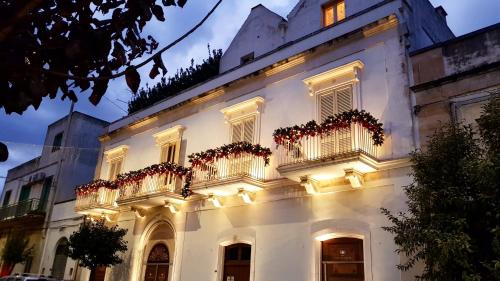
column 291, row 135
column 93, row 186
column 225, row 151
column 134, row 177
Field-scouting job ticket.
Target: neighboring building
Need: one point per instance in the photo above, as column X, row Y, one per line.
column 313, row 213
column 68, row 158
column 454, row 79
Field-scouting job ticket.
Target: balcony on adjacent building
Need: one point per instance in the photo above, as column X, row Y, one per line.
column 29, row 213
column 348, row 152
column 97, row 202
column 231, row 171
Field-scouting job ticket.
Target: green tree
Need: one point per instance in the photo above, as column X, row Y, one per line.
column 452, row 224
column 95, row 245
column 16, row 250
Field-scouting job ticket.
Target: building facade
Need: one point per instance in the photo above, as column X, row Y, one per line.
column 271, row 200
column 68, row 158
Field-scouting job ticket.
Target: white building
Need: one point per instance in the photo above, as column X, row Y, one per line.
column 313, row 213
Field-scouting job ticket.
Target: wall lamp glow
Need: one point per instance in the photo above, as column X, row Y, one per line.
column 173, row 209
column 245, row 196
column 354, row 177
column 215, row 201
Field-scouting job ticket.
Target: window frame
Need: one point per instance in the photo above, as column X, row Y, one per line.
column 237, row 238
column 112, row 162
column 331, row 241
column 334, row 5
column 242, row 121
column 59, row 137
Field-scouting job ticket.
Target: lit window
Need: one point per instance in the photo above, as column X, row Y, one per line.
column 243, row 130
column 342, row 259
column 168, row 153
column 115, row 168
column 56, row 144
column 333, row 12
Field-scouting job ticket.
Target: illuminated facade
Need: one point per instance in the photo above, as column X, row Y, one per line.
column 270, row 201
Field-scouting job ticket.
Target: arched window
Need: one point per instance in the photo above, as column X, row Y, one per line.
column 342, row 259
column 60, row 259
column 237, row 259
column 158, row 263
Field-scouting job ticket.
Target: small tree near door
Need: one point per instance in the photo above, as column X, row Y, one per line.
column 96, row 245
column 16, row 251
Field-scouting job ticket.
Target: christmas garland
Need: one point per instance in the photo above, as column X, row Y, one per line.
column 93, row 186
column 225, row 151
column 292, row 135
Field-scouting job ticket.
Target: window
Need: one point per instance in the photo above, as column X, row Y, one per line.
column 237, row 262
column 115, row 168
column 333, row 12
column 331, row 102
column 56, row 144
column 247, row 58
column 158, row 264
column 6, row 198
column 342, row 259
column 243, row 130
column 168, row 153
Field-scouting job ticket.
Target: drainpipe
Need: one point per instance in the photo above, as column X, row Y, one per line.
column 55, row 184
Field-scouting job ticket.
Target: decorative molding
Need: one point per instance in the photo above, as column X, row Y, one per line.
column 169, row 135
column 116, row 152
column 284, row 66
column 352, row 68
column 242, row 109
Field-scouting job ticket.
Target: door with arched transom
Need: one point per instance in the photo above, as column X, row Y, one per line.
column 157, row 264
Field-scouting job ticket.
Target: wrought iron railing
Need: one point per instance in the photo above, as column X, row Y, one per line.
column 336, row 145
column 235, row 166
column 101, row 198
column 23, row 208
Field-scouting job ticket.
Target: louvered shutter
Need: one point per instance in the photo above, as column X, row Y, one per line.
column 248, row 130
column 327, row 108
column 168, row 153
column 237, row 132
column 344, row 103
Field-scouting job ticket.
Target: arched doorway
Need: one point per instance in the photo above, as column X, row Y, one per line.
column 237, row 258
column 158, row 263
column 60, row 259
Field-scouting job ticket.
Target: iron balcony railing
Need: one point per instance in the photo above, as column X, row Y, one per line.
column 235, row 166
column 23, row 208
column 102, row 198
column 152, row 184
column 336, row 145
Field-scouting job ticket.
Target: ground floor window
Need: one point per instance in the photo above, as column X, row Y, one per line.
column 158, row 264
column 342, row 260
column 237, row 262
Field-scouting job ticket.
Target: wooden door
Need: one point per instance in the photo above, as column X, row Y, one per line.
column 158, row 264
column 237, row 262
column 100, row 273
column 342, row 260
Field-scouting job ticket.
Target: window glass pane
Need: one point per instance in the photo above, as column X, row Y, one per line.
column 469, row 113
column 56, row 144
column 231, row 253
column 340, row 10
column 246, row 252
column 6, row 198
column 328, row 15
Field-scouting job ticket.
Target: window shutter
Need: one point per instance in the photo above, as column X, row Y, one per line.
column 327, row 102
column 344, row 99
column 168, row 153
column 248, row 130
column 237, row 132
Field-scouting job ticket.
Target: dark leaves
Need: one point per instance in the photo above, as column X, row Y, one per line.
column 133, row 79
column 158, row 12
column 181, row 3
column 158, row 64
column 4, row 152
column 100, row 87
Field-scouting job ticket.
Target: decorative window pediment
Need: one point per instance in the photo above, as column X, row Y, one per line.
column 243, row 109
column 169, row 135
column 244, row 119
column 116, row 152
column 348, row 71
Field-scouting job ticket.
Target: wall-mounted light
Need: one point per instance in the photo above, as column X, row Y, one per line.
column 173, row 209
column 214, row 200
column 245, row 196
column 309, row 184
column 354, row 177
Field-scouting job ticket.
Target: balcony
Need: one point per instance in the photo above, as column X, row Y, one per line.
column 313, row 153
column 227, row 170
column 97, row 202
column 29, row 213
column 153, row 190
